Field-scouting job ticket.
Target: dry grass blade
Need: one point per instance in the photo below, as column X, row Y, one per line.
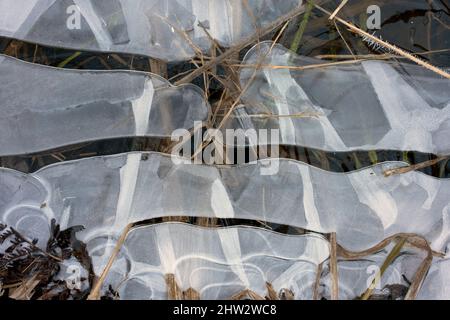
column 412, row 239
column 191, row 294
column 343, row 3
column 158, row 67
column 208, row 137
column 271, row 293
column 422, row 271
column 374, row 56
column 305, row 114
column 343, row 39
column 389, row 259
column 334, row 268
column 242, row 44
column 298, row 68
column 317, row 282
column 417, row 166
column 246, row 294
column 173, row 290
column 387, row 45
column 95, row 292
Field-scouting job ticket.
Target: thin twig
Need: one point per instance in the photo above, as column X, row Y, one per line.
column 21, row 237
column 413, row 167
column 414, row 240
column 311, row 66
column 95, row 292
column 389, row 259
column 208, row 138
column 387, row 45
column 271, row 294
column 317, row 282
column 334, row 268
column 242, row 44
column 345, row 41
column 173, row 290
column 343, row 3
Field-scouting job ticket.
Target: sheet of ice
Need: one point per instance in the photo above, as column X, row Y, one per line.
column 217, row 263
column 361, row 106
column 157, row 28
column 43, row 107
column 104, row 194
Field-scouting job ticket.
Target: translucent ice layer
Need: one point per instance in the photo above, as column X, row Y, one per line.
column 217, row 263
column 104, row 194
column 157, row 28
column 366, row 105
column 43, row 107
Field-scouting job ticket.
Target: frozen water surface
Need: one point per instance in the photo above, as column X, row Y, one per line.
column 217, row 263
column 104, row 194
column 44, row 107
column 157, row 28
column 372, row 105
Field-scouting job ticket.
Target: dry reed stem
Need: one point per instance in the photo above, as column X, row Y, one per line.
column 191, row 294
column 317, row 281
column 120, row 59
column 238, row 99
column 375, row 56
column 343, row 3
column 305, row 114
column 334, row 268
column 422, row 271
column 158, row 67
column 207, row 222
column 311, row 66
column 95, row 292
column 173, row 290
column 389, row 259
column 411, row 238
column 387, row 45
column 271, row 293
column 208, row 138
column 343, row 39
column 242, row 44
column 35, row 53
column 413, row 167
column 247, row 293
